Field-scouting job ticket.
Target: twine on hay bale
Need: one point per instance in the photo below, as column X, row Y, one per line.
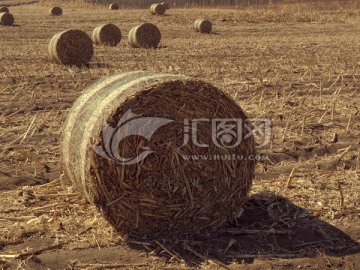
column 166, row 5
column 56, row 11
column 107, row 34
column 157, row 9
column 71, row 47
column 114, row 6
column 145, row 35
column 203, row 26
column 4, row 9
column 6, row 19
column 160, row 193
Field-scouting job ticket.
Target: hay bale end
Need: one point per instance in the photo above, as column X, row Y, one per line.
column 157, row 9
column 4, row 9
column 6, row 19
column 123, row 146
column 107, row 34
column 203, row 26
column 56, row 11
column 145, row 35
column 114, row 6
column 71, row 47
column 166, row 5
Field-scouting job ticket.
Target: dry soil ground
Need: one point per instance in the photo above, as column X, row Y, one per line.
column 297, row 65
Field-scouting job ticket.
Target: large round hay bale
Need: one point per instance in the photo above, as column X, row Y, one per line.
column 145, row 35
column 114, row 6
column 157, row 9
column 107, row 34
column 127, row 145
column 166, row 5
column 6, row 19
column 4, row 9
column 71, row 47
column 56, row 11
column 202, row 26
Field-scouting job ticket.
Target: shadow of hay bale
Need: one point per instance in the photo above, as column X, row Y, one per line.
column 270, row 227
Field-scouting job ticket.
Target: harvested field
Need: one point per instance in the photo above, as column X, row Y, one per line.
column 297, row 65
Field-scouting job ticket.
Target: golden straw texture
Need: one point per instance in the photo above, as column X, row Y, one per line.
column 164, row 193
column 71, row 47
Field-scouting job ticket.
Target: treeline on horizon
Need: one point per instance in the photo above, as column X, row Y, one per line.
column 190, row 3
column 184, row 3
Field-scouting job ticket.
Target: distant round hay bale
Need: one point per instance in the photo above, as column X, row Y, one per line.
column 4, row 9
column 157, row 9
column 71, row 47
column 145, row 35
column 166, row 5
column 6, row 19
column 107, row 34
column 202, row 26
column 114, row 6
column 125, row 146
column 56, row 11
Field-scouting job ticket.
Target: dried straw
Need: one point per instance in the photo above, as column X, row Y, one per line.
column 163, row 194
column 71, row 47
column 4, row 9
column 157, row 9
column 107, row 34
column 6, row 19
column 114, row 6
column 166, row 5
column 56, row 11
column 145, row 35
column 203, row 26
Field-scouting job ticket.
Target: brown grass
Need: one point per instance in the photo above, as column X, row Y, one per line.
column 285, row 62
column 71, row 47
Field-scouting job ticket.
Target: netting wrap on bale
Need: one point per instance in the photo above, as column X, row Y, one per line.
column 107, row 34
column 71, row 47
column 126, row 145
column 6, row 19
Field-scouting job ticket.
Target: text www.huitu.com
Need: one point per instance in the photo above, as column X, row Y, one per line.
column 224, row 157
